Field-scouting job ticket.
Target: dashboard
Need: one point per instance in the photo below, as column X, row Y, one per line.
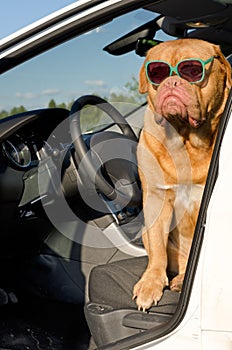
column 23, row 138
column 23, row 144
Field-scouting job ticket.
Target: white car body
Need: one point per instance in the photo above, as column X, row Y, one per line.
column 207, row 322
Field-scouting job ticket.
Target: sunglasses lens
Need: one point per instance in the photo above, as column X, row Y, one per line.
column 191, row 70
column 158, row 71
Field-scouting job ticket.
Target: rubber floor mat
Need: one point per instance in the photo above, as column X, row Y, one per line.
column 42, row 324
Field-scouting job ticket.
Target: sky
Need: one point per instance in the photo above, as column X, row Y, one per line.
column 15, row 14
column 70, row 70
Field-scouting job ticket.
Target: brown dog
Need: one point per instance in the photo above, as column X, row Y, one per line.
column 185, row 103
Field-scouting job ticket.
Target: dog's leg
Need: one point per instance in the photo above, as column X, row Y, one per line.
column 179, row 245
column 149, row 289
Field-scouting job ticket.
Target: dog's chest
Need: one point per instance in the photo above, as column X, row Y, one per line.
column 186, row 195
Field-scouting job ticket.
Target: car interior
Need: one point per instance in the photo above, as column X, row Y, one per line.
column 70, row 199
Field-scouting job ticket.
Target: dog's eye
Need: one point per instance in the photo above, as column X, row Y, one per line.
column 157, row 72
column 191, row 70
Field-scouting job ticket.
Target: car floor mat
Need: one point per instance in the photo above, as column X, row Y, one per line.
column 43, row 324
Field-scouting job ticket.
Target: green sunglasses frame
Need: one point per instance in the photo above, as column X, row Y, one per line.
column 175, row 69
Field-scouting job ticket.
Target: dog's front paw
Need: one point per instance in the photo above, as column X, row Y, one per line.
column 147, row 291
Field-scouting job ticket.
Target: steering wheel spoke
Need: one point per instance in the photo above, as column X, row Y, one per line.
column 110, row 150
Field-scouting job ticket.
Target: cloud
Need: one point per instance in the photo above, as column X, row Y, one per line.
column 31, row 95
column 26, row 95
column 49, row 92
column 99, row 83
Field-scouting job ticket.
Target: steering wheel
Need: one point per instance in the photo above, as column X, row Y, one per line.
column 83, row 154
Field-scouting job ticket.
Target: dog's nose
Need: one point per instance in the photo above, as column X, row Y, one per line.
column 173, row 81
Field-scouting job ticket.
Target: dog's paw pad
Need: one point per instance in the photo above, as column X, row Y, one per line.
column 147, row 294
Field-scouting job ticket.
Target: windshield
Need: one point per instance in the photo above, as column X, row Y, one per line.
column 75, row 68
column 30, row 11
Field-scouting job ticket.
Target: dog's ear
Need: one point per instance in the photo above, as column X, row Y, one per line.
column 225, row 64
column 143, row 83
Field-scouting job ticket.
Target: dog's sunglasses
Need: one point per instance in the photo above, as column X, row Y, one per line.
column 190, row 69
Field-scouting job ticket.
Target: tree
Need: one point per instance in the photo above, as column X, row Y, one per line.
column 94, row 117
column 61, row 105
column 133, row 89
column 17, row 110
column 52, row 104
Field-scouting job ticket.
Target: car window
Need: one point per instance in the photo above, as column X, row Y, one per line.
column 78, row 67
column 29, row 11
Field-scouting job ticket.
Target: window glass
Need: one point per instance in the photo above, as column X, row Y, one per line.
column 75, row 68
column 30, row 11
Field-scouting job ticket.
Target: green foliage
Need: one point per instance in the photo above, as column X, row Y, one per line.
column 52, row 104
column 133, row 89
column 14, row 110
column 92, row 117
